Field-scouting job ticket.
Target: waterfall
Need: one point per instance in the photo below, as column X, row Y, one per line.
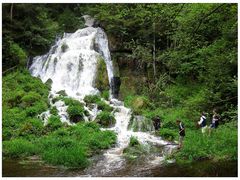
column 71, row 64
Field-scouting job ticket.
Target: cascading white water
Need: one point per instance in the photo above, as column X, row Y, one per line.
column 71, row 64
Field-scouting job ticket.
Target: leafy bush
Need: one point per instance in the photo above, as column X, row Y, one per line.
column 104, row 107
column 53, row 123
column 133, row 141
column 18, row 53
column 91, row 99
column 54, row 111
column 75, row 113
column 31, row 128
column 105, row 119
column 30, row 98
column 168, row 134
column 105, row 94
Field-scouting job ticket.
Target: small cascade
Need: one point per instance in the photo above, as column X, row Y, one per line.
column 71, row 65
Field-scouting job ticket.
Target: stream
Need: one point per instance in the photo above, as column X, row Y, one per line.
column 207, row 168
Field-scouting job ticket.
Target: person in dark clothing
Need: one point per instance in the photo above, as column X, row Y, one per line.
column 181, row 133
column 215, row 121
column 157, row 123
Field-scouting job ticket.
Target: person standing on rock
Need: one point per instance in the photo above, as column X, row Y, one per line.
column 181, row 133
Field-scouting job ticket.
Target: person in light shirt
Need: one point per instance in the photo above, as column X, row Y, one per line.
column 203, row 122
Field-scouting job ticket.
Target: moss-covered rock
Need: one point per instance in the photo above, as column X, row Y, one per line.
column 101, row 82
column 49, row 83
column 64, row 47
column 62, row 93
column 105, row 119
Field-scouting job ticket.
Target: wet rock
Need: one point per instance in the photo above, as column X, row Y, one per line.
column 90, row 21
column 49, row 83
column 62, row 93
column 115, row 86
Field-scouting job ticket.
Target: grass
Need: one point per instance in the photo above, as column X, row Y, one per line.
column 24, row 97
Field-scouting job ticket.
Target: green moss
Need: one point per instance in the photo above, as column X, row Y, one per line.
column 101, row 82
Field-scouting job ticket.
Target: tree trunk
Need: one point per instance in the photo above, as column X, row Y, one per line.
column 11, row 12
column 154, row 52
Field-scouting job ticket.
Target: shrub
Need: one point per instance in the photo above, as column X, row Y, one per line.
column 91, row 99
column 104, row 107
column 30, row 98
column 75, row 113
column 38, row 108
column 133, row 141
column 30, row 128
column 105, row 119
column 105, row 94
column 168, row 134
column 54, row 111
column 53, row 123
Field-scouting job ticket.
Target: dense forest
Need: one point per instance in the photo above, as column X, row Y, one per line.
column 175, row 61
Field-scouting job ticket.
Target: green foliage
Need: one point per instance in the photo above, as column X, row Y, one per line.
column 221, row 144
column 72, row 146
column 53, row 123
column 105, row 119
column 105, row 94
column 30, row 98
column 96, row 99
column 31, row 128
column 135, row 152
column 24, row 97
column 54, row 111
column 104, row 107
column 17, row 53
column 19, row 148
column 168, row 134
column 138, row 103
column 133, row 141
column 91, row 99
column 70, row 157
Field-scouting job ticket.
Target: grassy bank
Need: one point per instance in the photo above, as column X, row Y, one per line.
column 186, row 102
column 24, row 135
